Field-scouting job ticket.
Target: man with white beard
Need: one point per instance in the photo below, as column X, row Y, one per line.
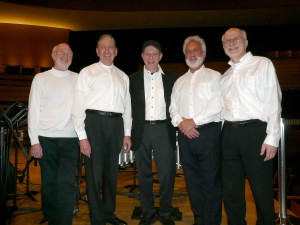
column 195, row 110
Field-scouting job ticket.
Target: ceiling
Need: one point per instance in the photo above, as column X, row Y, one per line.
column 79, row 15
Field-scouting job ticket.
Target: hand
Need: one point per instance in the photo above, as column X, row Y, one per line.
column 193, row 133
column 269, row 150
column 126, row 144
column 85, row 147
column 186, row 125
column 37, row 151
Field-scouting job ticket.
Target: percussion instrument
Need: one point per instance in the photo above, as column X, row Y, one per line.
column 126, row 158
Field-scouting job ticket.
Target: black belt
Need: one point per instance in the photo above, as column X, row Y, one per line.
column 103, row 113
column 241, row 123
column 155, row 121
column 207, row 125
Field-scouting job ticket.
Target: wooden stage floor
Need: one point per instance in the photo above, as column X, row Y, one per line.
column 28, row 211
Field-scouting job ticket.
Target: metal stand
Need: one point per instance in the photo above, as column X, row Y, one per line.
column 79, row 196
column 283, row 219
column 133, row 186
column 8, row 119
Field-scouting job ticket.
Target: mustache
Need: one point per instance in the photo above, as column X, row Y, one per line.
column 194, row 58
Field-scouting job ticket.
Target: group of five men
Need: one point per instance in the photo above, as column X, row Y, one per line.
column 109, row 111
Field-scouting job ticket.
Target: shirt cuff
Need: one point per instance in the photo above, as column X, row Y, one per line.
column 175, row 122
column 34, row 141
column 82, row 135
column 127, row 132
column 269, row 140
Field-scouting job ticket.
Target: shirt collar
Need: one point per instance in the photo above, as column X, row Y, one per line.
column 107, row 67
column 60, row 73
column 244, row 59
column 202, row 68
column 155, row 74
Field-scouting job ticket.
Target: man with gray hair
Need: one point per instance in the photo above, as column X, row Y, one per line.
column 195, row 110
column 251, row 130
column 102, row 120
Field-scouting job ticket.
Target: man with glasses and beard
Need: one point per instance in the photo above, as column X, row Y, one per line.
column 195, row 110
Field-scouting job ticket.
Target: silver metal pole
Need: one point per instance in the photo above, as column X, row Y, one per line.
column 283, row 218
column 178, row 165
column 282, row 177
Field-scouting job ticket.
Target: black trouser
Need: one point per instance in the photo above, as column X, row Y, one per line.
column 156, row 138
column 105, row 135
column 200, row 158
column 58, row 172
column 241, row 148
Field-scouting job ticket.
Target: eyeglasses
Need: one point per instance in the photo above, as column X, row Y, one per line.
column 233, row 41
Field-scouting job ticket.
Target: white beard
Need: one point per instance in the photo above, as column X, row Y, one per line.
column 194, row 64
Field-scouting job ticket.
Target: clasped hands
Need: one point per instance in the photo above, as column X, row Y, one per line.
column 188, row 128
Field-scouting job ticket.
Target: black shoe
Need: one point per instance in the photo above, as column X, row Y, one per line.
column 148, row 219
column 167, row 221
column 116, row 221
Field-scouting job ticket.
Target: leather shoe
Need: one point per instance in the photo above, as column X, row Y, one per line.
column 148, row 219
column 116, row 221
column 167, row 221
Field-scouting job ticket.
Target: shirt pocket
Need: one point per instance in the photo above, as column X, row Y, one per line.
column 203, row 90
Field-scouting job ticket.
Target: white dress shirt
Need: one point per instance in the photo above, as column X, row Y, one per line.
column 154, row 95
column 50, row 105
column 198, row 96
column 104, row 88
column 250, row 90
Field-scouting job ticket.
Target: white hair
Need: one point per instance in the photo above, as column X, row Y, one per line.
column 194, row 38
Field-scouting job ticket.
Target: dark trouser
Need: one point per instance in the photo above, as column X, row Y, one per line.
column 156, row 138
column 200, row 158
column 58, row 172
column 105, row 135
column 241, row 159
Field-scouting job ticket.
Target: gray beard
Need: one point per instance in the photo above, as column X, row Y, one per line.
column 195, row 64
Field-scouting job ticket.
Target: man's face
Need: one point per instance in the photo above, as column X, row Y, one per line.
column 62, row 57
column 234, row 44
column 106, row 51
column 194, row 55
column 151, row 57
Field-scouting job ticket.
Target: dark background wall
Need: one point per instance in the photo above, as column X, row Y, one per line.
column 129, row 42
